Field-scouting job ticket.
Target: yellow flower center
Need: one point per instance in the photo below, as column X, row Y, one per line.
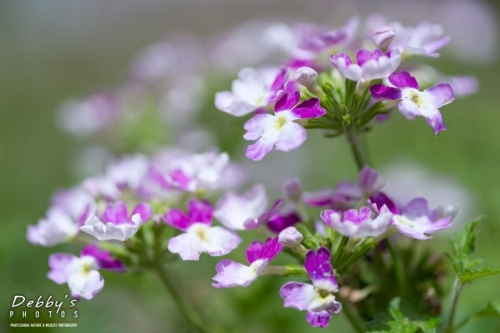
column 280, row 122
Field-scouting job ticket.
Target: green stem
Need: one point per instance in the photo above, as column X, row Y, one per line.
column 190, row 316
column 398, row 267
column 352, row 315
column 352, row 139
column 455, row 296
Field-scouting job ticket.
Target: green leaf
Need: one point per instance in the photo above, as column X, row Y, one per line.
column 468, row 275
column 462, row 257
column 491, row 310
column 402, row 324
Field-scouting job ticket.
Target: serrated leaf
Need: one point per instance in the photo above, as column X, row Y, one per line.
column 402, row 324
column 463, row 241
column 468, row 275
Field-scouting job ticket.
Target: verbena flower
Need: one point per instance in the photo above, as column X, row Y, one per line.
column 69, row 211
column 414, row 102
column 317, row 298
column 115, row 222
column 280, row 130
column 371, row 65
column 252, row 90
column 232, row 274
column 360, row 224
column 424, row 39
column 415, row 220
column 344, row 195
column 199, row 236
column 245, row 211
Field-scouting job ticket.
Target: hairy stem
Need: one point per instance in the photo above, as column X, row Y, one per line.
column 353, row 140
column 455, row 296
column 398, row 267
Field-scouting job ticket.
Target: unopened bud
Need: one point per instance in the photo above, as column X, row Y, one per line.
column 290, row 237
column 383, row 37
column 306, row 76
column 292, row 188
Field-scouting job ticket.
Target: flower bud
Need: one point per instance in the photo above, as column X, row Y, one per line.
column 306, row 76
column 383, row 37
column 290, row 237
column 292, row 188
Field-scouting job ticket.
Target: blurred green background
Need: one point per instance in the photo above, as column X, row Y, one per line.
column 52, row 50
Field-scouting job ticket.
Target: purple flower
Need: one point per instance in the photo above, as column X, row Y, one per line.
column 232, row 274
column 115, row 222
column 344, row 195
column 416, row 220
column 360, row 224
column 280, row 131
column 316, row 298
column 69, row 211
column 252, row 90
column 414, row 102
column 370, row 181
column 370, row 65
column 292, row 189
column 80, row 274
column 199, row 237
column 103, row 258
column 245, row 211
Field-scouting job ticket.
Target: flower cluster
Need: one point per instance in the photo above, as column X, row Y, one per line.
column 144, row 211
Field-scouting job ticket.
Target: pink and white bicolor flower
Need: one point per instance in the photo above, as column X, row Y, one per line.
column 415, row 220
column 245, row 211
column 370, row 65
column 317, row 298
column 280, row 130
column 352, row 223
column 115, row 222
column 199, row 236
column 81, row 273
column 252, row 90
column 233, row 274
column 69, row 211
column 412, row 101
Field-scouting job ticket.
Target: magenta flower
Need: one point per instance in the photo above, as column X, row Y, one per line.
column 414, row 102
column 115, row 222
column 316, row 298
column 370, row 65
column 199, row 236
column 280, row 131
column 233, row 274
column 415, row 220
column 252, row 90
column 360, row 224
column 103, row 258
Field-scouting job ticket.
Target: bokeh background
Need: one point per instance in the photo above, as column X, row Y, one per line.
column 52, row 50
